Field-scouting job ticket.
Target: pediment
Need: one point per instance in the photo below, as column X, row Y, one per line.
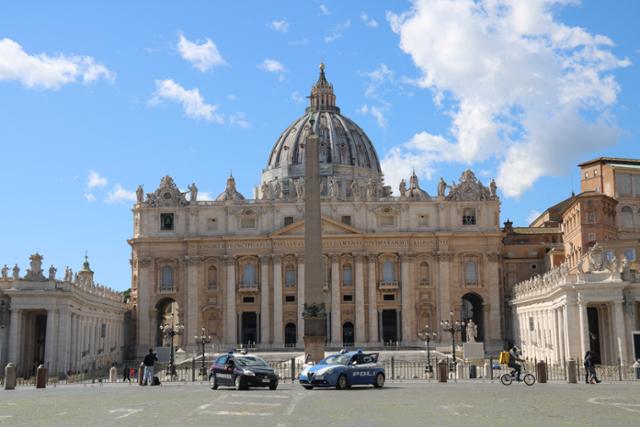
column 329, row 227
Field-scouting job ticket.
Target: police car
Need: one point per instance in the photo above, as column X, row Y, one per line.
column 343, row 370
column 242, row 371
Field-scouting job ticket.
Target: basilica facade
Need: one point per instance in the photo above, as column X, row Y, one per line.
column 393, row 263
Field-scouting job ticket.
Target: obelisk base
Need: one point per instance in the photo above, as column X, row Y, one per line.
column 315, row 337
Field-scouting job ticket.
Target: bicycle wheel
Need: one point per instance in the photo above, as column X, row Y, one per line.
column 506, row 379
column 529, row 379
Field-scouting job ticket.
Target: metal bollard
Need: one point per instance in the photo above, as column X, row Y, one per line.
column 141, row 374
column 113, row 375
column 488, row 369
column 41, row 377
column 541, row 372
column 443, row 368
column 10, row 377
column 293, row 369
column 572, row 375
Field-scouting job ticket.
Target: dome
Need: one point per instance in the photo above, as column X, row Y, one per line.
column 346, row 152
column 230, row 192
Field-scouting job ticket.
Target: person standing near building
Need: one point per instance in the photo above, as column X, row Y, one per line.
column 126, row 375
column 590, row 369
column 149, row 361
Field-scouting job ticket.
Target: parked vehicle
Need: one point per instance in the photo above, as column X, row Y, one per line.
column 242, row 371
column 344, row 370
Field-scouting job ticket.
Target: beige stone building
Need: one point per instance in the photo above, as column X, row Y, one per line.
column 69, row 325
column 393, row 262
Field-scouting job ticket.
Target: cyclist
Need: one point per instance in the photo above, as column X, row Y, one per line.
column 515, row 362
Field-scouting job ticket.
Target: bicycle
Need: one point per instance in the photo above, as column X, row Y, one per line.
column 527, row 378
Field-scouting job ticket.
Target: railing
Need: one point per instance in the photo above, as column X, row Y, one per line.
column 388, row 285
column 248, row 287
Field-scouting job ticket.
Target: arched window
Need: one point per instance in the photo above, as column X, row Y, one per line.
column 424, row 272
column 347, row 275
column 388, row 272
column 626, row 217
column 469, row 216
column 212, row 278
column 289, row 276
column 470, row 272
column 249, row 274
column 167, row 278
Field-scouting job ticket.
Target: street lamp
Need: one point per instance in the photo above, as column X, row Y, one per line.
column 171, row 331
column 427, row 336
column 452, row 326
column 203, row 339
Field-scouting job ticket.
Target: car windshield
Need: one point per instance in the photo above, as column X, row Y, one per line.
column 336, row 359
column 251, row 361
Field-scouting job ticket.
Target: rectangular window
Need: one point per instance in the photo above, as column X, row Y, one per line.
column 212, row 224
column 531, row 324
column 290, row 298
column 423, row 220
column 609, row 255
column 636, row 185
column 103, row 331
column 290, row 278
column 288, row 220
column 386, row 221
column 388, row 297
column 347, row 298
column 248, row 300
column 469, row 217
column 346, row 219
column 630, row 254
column 591, row 237
column 347, row 275
column 166, row 221
column 591, row 217
column 623, row 183
column 248, row 223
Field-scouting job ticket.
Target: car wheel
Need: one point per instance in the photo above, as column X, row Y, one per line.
column 342, row 382
column 308, row 387
column 239, row 383
column 379, row 383
column 213, row 381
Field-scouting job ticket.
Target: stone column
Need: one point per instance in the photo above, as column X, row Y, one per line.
column 64, row 348
column 230, row 324
column 300, row 323
column 146, row 283
column 372, row 299
column 194, row 264
column 51, row 341
column 265, row 323
column 360, row 336
column 278, row 327
column 15, row 338
column 81, row 341
column 493, row 331
column 584, row 327
column 444, row 287
column 336, row 304
column 408, row 307
column 619, row 333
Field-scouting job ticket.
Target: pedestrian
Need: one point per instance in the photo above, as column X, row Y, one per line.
column 126, row 373
column 149, row 360
column 590, row 369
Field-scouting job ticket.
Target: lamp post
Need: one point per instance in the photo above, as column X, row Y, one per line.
column 452, row 326
column 203, row 339
column 171, row 331
column 427, row 336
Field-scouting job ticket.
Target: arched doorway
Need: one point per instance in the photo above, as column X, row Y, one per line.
column 168, row 314
column 249, row 331
column 290, row 335
column 472, row 310
column 347, row 334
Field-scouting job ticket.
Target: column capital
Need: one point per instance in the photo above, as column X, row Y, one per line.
column 300, row 258
column 372, row 258
column 192, row 260
column 229, row 259
column 144, row 262
column 276, row 258
column 359, row 256
column 334, row 256
column 265, row 257
column 406, row 257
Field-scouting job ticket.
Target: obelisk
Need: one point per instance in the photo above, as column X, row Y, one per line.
column 315, row 326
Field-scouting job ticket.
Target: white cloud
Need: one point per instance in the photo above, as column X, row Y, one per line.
column 203, row 56
column 205, row 196
column 525, row 88
column 89, row 197
column 299, row 42
column 272, row 66
column 533, row 214
column 368, row 21
column 281, row 25
column 297, row 97
column 46, row 72
column 95, row 180
column 232, row 97
column 120, row 195
column 324, row 9
column 376, row 79
column 192, row 102
column 239, row 119
column 337, row 31
column 376, row 112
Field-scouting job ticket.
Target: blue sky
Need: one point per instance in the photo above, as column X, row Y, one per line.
column 96, row 99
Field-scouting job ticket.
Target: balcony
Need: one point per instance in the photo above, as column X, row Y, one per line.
column 386, row 286
column 248, row 287
column 424, row 283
